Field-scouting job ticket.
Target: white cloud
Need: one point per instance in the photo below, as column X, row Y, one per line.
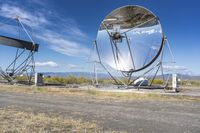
column 71, row 66
column 38, row 2
column 63, row 45
column 36, row 19
column 148, row 30
column 46, row 64
column 70, row 27
column 174, row 67
column 64, row 36
column 5, row 28
column 154, row 47
column 177, row 69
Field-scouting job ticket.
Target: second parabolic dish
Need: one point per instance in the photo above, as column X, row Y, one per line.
column 130, row 39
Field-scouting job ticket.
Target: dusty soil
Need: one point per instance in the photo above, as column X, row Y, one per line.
column 153, row 115
column 13, row 120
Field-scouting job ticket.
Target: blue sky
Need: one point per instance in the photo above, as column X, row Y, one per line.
column 65, row 29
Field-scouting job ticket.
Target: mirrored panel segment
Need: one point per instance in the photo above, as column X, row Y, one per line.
column 129, row 38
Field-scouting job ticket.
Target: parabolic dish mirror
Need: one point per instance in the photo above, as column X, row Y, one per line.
column 129, row 39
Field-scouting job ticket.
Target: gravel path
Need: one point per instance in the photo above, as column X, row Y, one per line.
column 131, row 116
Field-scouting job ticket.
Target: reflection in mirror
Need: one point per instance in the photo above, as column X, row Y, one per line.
column 129, row 38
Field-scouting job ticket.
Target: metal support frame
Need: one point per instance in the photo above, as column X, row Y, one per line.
column 146, row 74
column 159, row 66
column 26, row 66
column 97, row 50
column 95, row 75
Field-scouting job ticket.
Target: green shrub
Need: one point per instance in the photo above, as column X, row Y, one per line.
column 21, row 78
column 71, row 79
column 157, row 81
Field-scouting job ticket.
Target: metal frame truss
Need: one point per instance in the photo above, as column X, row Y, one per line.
column 25, row 66
column 149, row 71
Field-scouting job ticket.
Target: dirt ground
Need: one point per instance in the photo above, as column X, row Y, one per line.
column 136, row 115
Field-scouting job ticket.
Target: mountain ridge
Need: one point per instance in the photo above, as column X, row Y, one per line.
column 105, row 75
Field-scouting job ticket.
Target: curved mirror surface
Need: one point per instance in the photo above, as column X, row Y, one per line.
column 129, row 38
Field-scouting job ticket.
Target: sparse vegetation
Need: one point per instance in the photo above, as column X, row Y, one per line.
column 195, row 83
column 21, row 78
column 105, row 81
column 93, row 93
column 13, row 120
column 157, row 81
column 71, row 79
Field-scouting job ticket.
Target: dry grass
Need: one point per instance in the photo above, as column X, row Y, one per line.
column 138, row 96
column 16, row 121
column 13, row 120
column 95, row 94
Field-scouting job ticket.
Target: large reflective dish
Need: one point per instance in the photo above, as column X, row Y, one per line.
column 129, row 39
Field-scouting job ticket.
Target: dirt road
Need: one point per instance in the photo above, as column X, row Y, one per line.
column 130, row 116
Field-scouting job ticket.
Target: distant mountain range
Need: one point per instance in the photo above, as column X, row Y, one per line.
column 104, row 75
column 77, row 74
column 189, row 77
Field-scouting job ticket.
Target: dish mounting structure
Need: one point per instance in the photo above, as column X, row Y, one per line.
column 123, row 42
column 23, row 62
